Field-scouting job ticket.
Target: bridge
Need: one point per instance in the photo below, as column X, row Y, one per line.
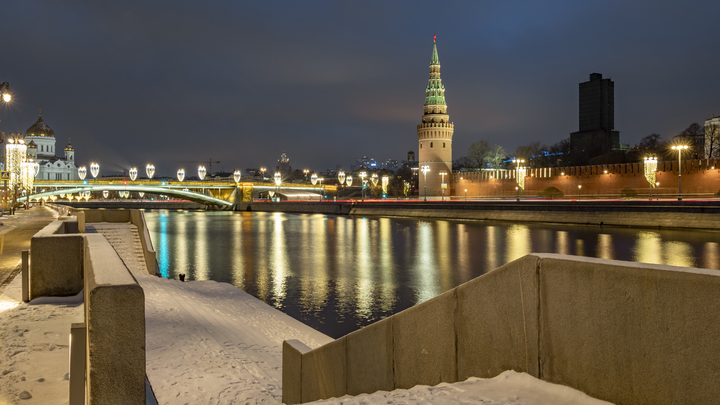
column 218, row 193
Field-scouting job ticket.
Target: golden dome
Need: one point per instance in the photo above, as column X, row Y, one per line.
column 40, row 128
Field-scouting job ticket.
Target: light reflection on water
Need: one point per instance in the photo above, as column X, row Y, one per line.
column 337, row 274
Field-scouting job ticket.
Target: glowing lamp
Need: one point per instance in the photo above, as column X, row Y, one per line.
column 7, row 97
column 105, row 193
column 348, row 181
column 374, row 179
column 133, row 173
column 82, row 172
column 202, row 172
column 150, row 170
column 278, row 178
column 181, row 175
column 341, row 177
column 237, row 176
column 385, row 181
column 94, row 169
column 314, row 179
column 141, row 194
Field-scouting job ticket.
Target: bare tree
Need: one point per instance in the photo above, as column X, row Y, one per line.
column 712, row 145
column 529, row 151
column 478, row 153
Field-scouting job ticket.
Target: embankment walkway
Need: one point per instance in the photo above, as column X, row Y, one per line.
column 207, row 342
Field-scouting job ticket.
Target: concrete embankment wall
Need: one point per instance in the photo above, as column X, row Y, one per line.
column 619, row 331
column 686, row 214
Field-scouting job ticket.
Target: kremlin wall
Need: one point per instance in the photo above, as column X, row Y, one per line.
column 698, row 177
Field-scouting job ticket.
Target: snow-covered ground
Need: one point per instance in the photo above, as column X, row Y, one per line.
column 508, row 388
column 34, row 341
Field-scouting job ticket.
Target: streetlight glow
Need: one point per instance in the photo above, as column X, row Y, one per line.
column 150, row 170
column 133, row 173
column 237, row 175
column 82, row 172
column 341, row 177
column 679, row 148
column 181, row 175
column 94, row 169
column 201, row 172
column 425, row 170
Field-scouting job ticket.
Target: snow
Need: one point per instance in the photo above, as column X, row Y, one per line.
column 34, row 346
column 508, row 388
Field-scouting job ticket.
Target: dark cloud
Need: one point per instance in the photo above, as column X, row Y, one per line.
column 165, row 81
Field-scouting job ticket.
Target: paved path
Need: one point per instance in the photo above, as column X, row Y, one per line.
column 15, row 234
column 208, row 342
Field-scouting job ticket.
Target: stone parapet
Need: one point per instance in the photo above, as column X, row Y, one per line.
column 623, row 332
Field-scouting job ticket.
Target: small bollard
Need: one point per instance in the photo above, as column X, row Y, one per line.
column 78, row 341
column 182, row 277
column 25, row 275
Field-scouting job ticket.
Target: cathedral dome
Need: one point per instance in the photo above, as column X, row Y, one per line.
column 32, row 145
column 40, row 128
column 69, row 147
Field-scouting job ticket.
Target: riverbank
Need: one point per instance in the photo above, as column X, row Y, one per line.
column 638, row 214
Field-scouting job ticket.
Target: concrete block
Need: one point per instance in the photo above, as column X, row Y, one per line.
column 370, row 358
column 630, row 332
column 57, row 264
column 137, row 218
column 107, row 216
column 424, row 337
column 80, row 220
column 292, row 371
column 324, row 371
column 115, row 319
column 497, row 324
column 70, row 225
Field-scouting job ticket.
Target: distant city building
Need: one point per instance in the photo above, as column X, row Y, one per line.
column 364, row 163
column 40, row 141
column 597, row 118
column 284, row 164
column 435, row 133
column 712, row 138
column 390, row 164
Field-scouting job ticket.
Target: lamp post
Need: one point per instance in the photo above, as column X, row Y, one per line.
column 306, row 171
column 657, row 187
column 442, row 184
column 202, row 172
column 82, row 172
column 94, row 169
column 362, row 191
column 465, row 194
column 150, row 170
column 278, row 181
column 425, row 170
column 181, row 175
column 579, row 190
column 679, row 148
column 237, row 175
column 519, row 177
column 314, row 179
column 6, row 97
column 262, row 171
column 133, row 173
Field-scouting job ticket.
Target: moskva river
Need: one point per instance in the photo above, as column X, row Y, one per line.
column 339, row 273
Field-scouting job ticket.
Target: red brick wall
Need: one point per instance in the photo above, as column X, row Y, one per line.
column 698, row 177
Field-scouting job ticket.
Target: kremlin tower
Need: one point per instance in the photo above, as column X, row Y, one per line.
column 434, row 135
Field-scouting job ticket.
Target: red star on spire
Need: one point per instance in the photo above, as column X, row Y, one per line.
column 434, row 38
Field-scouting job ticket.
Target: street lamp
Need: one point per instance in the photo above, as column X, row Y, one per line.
column 133, row 173
column 348, row 181
column 442, row 184
column 262, row 171
column 579, row 190
column 362, row 191
column 94, row 169
column 237, row 175
column 679, row 148
column 657, row 187
column 306, row 171
column 202, row 172
column 519, row 176
column 82, row 172
column 465, row 194
column 425, row 170
column 181, row 175
column 150, row 170
column 341, row 177
column 6, row 97
column 314, row 179
column 278, row 181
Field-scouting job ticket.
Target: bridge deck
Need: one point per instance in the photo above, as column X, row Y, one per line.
column 208, row 342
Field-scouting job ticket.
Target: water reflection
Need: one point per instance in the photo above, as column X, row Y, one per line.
column 337, row 274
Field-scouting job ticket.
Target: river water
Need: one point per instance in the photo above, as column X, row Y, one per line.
column 339, row 273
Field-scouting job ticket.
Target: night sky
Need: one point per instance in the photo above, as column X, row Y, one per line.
column 132, row 82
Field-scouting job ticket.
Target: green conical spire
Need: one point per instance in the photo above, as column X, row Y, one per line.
column 435, row 91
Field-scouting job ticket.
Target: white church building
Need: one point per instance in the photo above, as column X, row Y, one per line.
column 40, row 141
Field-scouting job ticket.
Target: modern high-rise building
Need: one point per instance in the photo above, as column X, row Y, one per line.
column 597, row 133
column 434, row 134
